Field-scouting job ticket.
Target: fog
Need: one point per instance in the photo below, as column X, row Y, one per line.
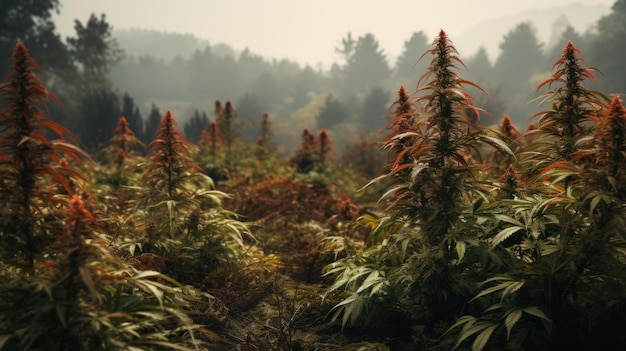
column 302, row 62
column 308, row 31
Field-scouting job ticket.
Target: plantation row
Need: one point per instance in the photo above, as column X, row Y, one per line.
column 484, row 238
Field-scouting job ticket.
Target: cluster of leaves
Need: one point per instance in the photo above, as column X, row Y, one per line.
column 486, row 237
column 117, row 252
column 80, row 260
column 524, row 251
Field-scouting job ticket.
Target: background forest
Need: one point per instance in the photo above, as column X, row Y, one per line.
column 136, row 73
column 223, row 201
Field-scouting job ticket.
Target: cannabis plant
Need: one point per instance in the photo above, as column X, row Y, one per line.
column 564, row 127
column 415, row 261
column 225, row 118
column 184, row 221
column 564, row 288
column 60, row 287
column 30, row 164
column 84, row 298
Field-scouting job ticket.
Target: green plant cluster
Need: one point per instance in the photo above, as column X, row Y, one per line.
column 484, row 238
column 495, row 239
column 78, row 258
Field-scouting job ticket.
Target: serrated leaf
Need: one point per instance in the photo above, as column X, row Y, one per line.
column 504, row 234
column 492, row 289
column 482, row 338
column 510, row 321
column 513, row 287
column 467, row 322
column 509, row 219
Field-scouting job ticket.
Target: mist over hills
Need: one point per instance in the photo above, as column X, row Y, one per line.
column 165, row 46
column 187, row 74
column 548, row 22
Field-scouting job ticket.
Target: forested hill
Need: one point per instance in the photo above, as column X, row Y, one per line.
column 549, row 23
column 164, row 45
column 188, row 74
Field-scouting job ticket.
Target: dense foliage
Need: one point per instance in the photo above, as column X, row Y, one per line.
column 444, row 234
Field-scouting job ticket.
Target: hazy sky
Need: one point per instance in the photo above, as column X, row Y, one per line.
column 306, row 31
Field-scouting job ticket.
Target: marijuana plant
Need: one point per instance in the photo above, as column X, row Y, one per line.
column 30, row 163
column 184, row 220
column 565, row 236
column 413, row 262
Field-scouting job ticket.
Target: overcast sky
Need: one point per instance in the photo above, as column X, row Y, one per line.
column 306, row 31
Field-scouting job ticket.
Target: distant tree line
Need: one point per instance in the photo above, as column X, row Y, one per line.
column 97, row 84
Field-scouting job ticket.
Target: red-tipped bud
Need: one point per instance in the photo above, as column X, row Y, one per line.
column 228, row 109
column 612, row 134
column 323, row 137
column 507, row 128
column 76, row 211
column 218, row 107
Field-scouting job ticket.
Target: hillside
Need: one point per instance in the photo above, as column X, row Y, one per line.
column 549, row 23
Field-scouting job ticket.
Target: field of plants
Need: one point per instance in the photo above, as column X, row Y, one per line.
column 468, row 237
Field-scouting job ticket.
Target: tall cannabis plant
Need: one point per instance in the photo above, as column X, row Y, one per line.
column 566, row 236
column 29, row 162
column 184, row 220
column 413, row 262
column 574, row 109
column 210, row 138
column 225, row 118
column 60, row 286
column 122, row 154
column 117, row 180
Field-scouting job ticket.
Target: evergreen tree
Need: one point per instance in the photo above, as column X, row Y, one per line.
column 196, row 124
column 373, row 109
column 333, row 112
column 100, row 111
column 479, row 66
column 480, row 70
column 152, row 123
column 409, row 66
column 30, row 22
column 607, row 47
column 133, row 116
column 94, row 49
column 518, row 62
column 366, row 65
